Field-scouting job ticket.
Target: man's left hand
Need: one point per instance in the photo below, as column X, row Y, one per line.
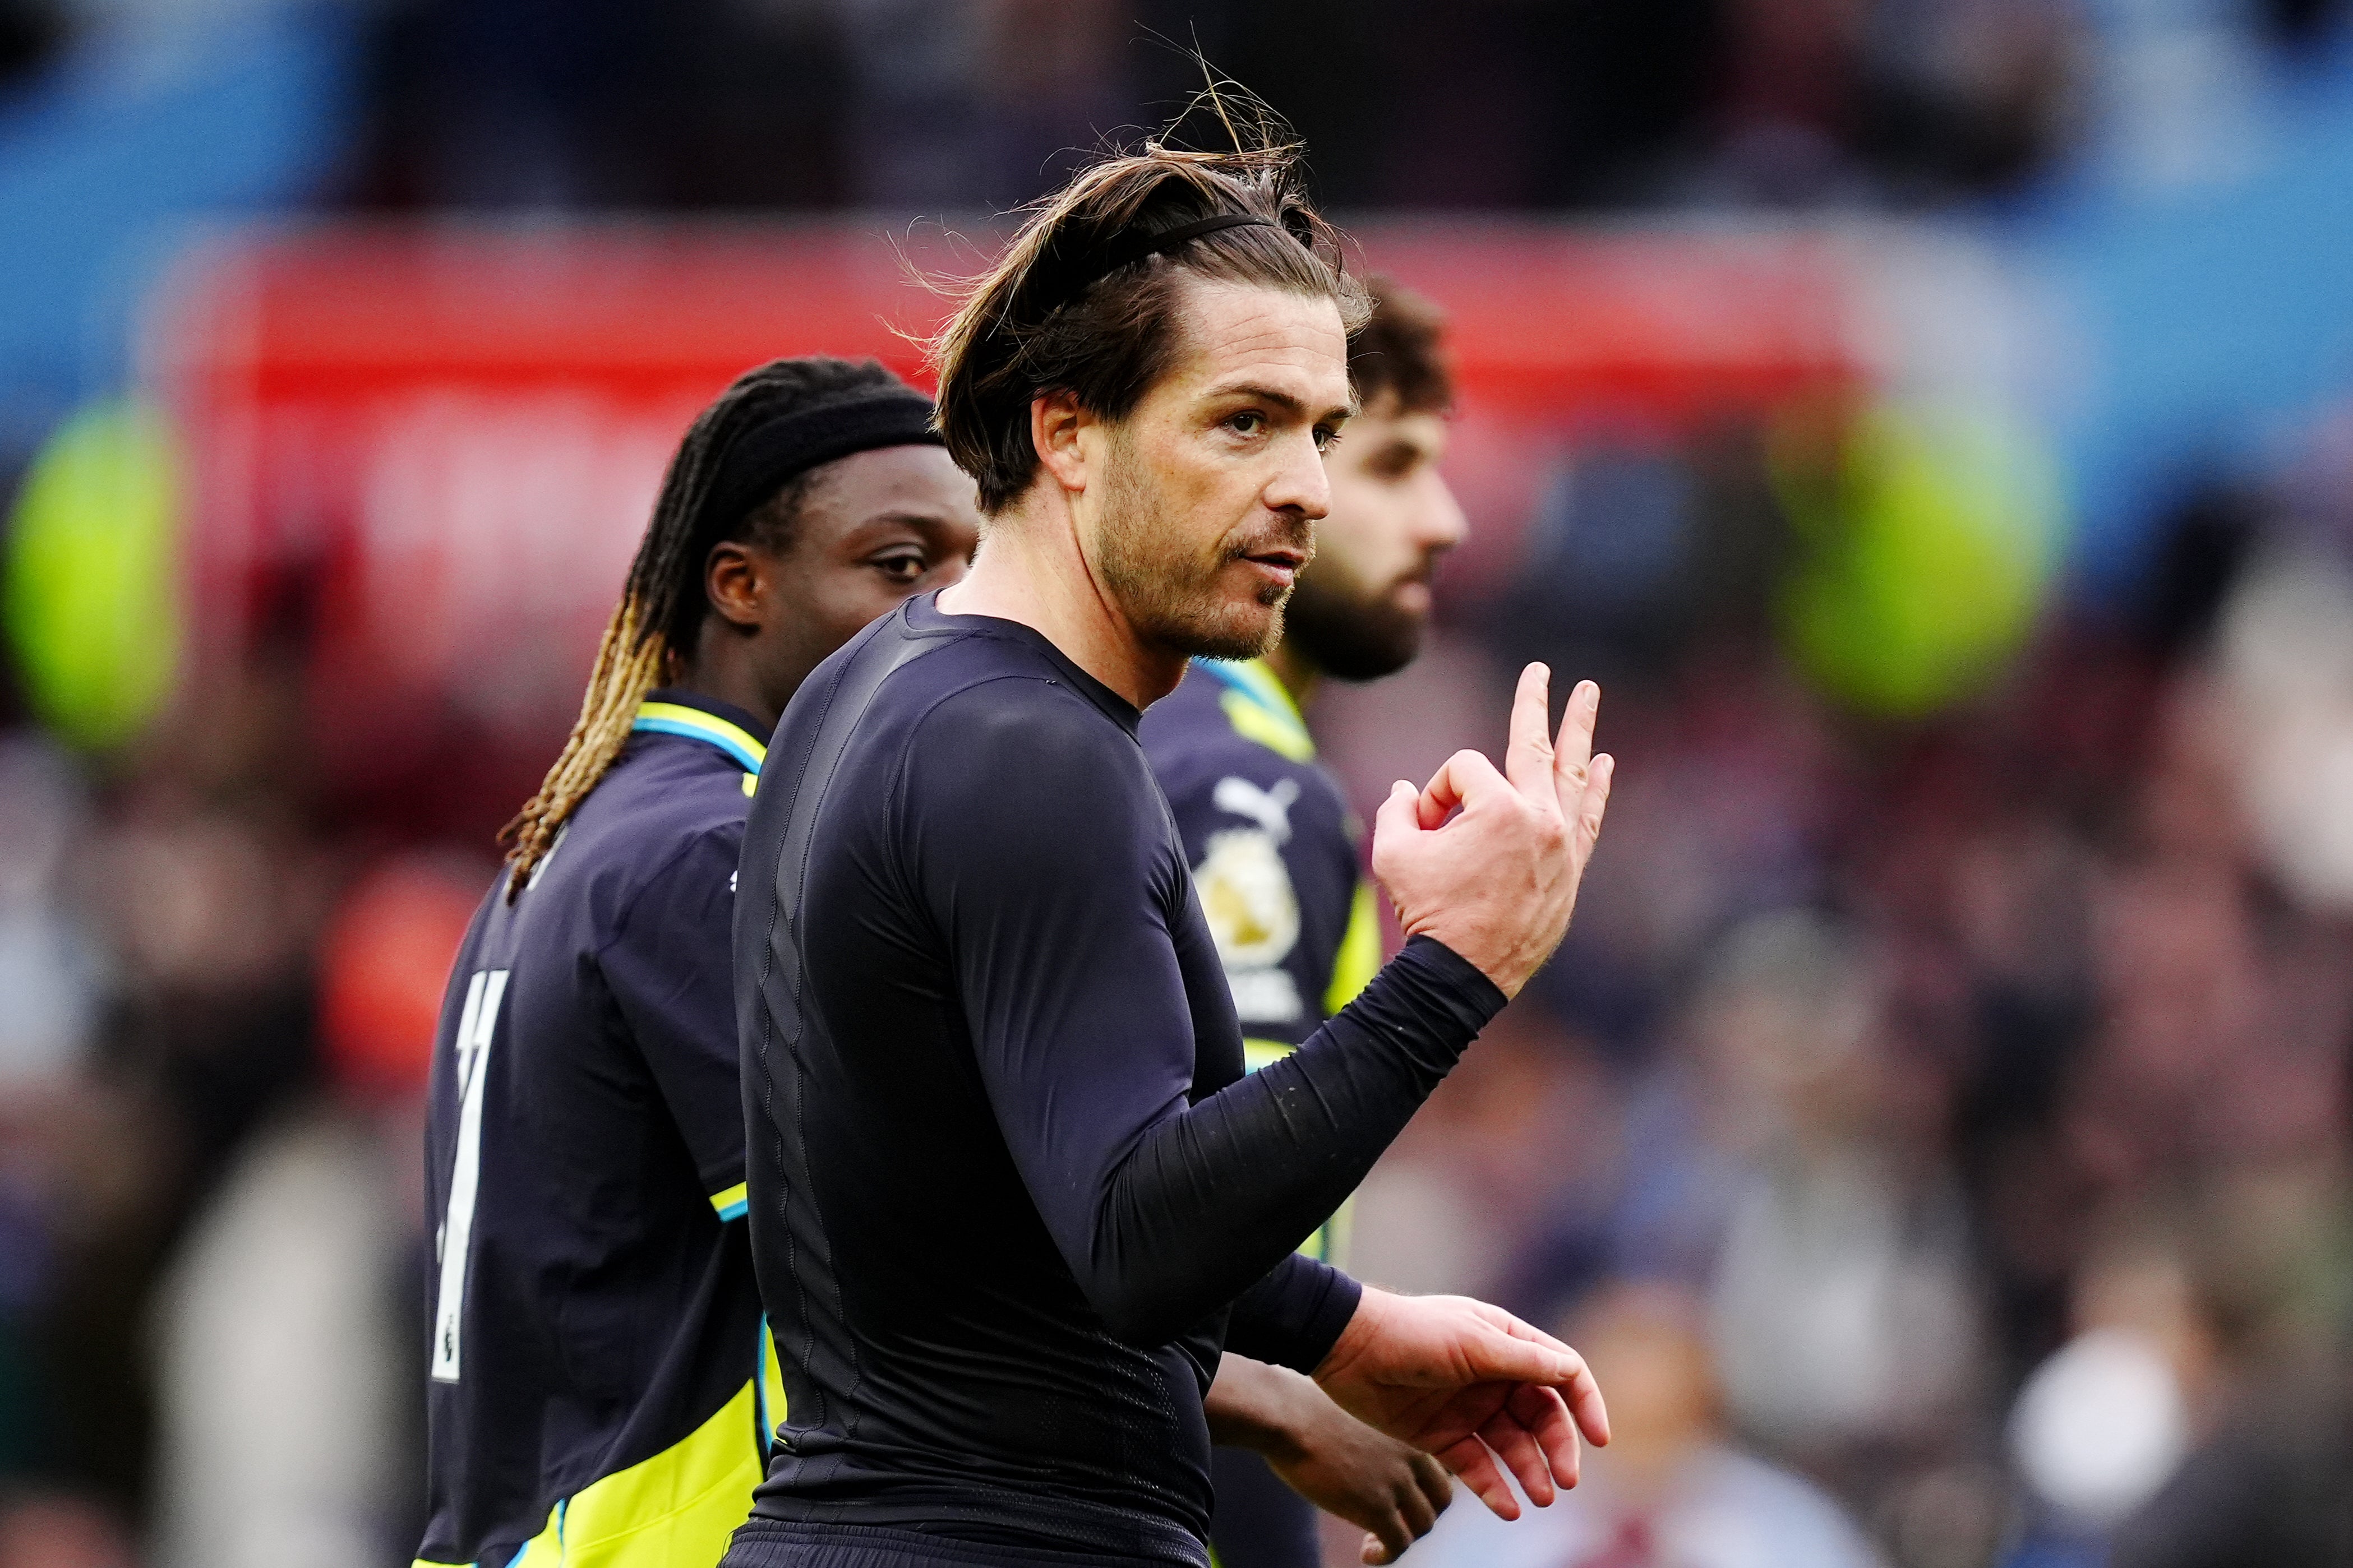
column 1468, row 1384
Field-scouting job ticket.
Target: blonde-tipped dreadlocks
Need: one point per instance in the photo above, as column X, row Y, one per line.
column 630, row 661
column 662, row 603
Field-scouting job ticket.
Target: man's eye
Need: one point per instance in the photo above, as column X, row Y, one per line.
column 1326, row 438
column 1250, row 422
column 900, row 568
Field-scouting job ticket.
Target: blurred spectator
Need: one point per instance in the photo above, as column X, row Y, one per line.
column 1842, row 1291
column 1672, row 1490
column 47, row 969
column 1523, row 1128
column 2104, row 1422
column 291, row 1329
column 2286, row 664
column 2200, row 1419
column 200, row 888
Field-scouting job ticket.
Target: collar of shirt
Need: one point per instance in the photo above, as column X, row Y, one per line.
column 923, row 615
column 672, row 710
column 1254, row 682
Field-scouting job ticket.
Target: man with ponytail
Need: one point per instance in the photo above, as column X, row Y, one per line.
column 602, row 1388
column 968, row 942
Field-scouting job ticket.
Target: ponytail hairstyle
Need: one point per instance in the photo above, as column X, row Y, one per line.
column 1083, row 301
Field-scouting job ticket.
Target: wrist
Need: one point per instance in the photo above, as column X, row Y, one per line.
column 1362, row 1328
column 1468, row 979
column 1498, row 964
column 1259, row 1407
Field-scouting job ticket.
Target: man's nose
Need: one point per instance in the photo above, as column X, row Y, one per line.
column 1301, row 484
column 1442, row 525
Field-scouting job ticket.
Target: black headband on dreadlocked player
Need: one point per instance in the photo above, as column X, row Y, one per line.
column 1056, row 280
column 761, row 459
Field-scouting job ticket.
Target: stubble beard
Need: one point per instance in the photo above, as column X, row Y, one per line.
column 1169, row 593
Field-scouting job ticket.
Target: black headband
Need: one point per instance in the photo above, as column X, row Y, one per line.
column 1064, row 280
column 766, row 456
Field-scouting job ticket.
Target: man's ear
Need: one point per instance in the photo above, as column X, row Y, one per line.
column 1056, row 421
column 735, row 583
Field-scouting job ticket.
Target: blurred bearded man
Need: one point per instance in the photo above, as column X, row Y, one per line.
column 1012, row 1197
column 1274, row 855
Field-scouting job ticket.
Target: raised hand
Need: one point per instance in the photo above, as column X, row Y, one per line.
column 1489, row 862
column 1469, row 1385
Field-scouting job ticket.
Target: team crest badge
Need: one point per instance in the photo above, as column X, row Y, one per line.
column 1246, row 893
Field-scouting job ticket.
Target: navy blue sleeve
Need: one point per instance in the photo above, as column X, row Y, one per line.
column 671, row 970
column 1045, row 854
column 1293, row 1316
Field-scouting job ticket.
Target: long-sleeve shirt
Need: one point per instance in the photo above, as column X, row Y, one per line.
column 1011, row 1192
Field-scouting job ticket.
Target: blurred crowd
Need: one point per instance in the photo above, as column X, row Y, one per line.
column 972, row 105
column 1497, row 104
column 218, row 1012
column 1935, row 1131
column 1952, row 1112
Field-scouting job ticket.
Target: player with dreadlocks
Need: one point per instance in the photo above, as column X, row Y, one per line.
column 600, row 1382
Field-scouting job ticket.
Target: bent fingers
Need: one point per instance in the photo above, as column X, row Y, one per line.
column 1517, row 1448
column 1476, row 1468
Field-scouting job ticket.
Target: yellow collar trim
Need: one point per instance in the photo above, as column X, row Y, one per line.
column 677, row 719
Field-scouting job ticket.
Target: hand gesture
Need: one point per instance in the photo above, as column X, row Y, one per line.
column 1469, row 1385
column 1489, row 862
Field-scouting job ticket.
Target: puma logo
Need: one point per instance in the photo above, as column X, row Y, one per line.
column 1270, row 808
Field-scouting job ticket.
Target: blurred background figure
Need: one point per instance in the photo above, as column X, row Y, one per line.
column 1674, row 1487
column 289, row 1327
column 1931, row 419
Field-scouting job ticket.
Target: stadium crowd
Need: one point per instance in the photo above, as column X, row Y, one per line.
column 1894, row 1069
column 962, row 105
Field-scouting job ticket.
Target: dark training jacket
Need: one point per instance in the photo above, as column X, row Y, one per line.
column 598, row 1384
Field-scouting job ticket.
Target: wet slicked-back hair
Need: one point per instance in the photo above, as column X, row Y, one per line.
column 663, row 601
column 1397, row 353
column 1034, row 322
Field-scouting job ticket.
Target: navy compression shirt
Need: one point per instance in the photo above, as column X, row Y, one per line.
column 1010, row 1192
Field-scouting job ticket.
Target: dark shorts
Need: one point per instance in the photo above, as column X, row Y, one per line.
column 767, row 1543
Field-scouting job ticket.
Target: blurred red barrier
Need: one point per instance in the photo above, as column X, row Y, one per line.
column 423, row 455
